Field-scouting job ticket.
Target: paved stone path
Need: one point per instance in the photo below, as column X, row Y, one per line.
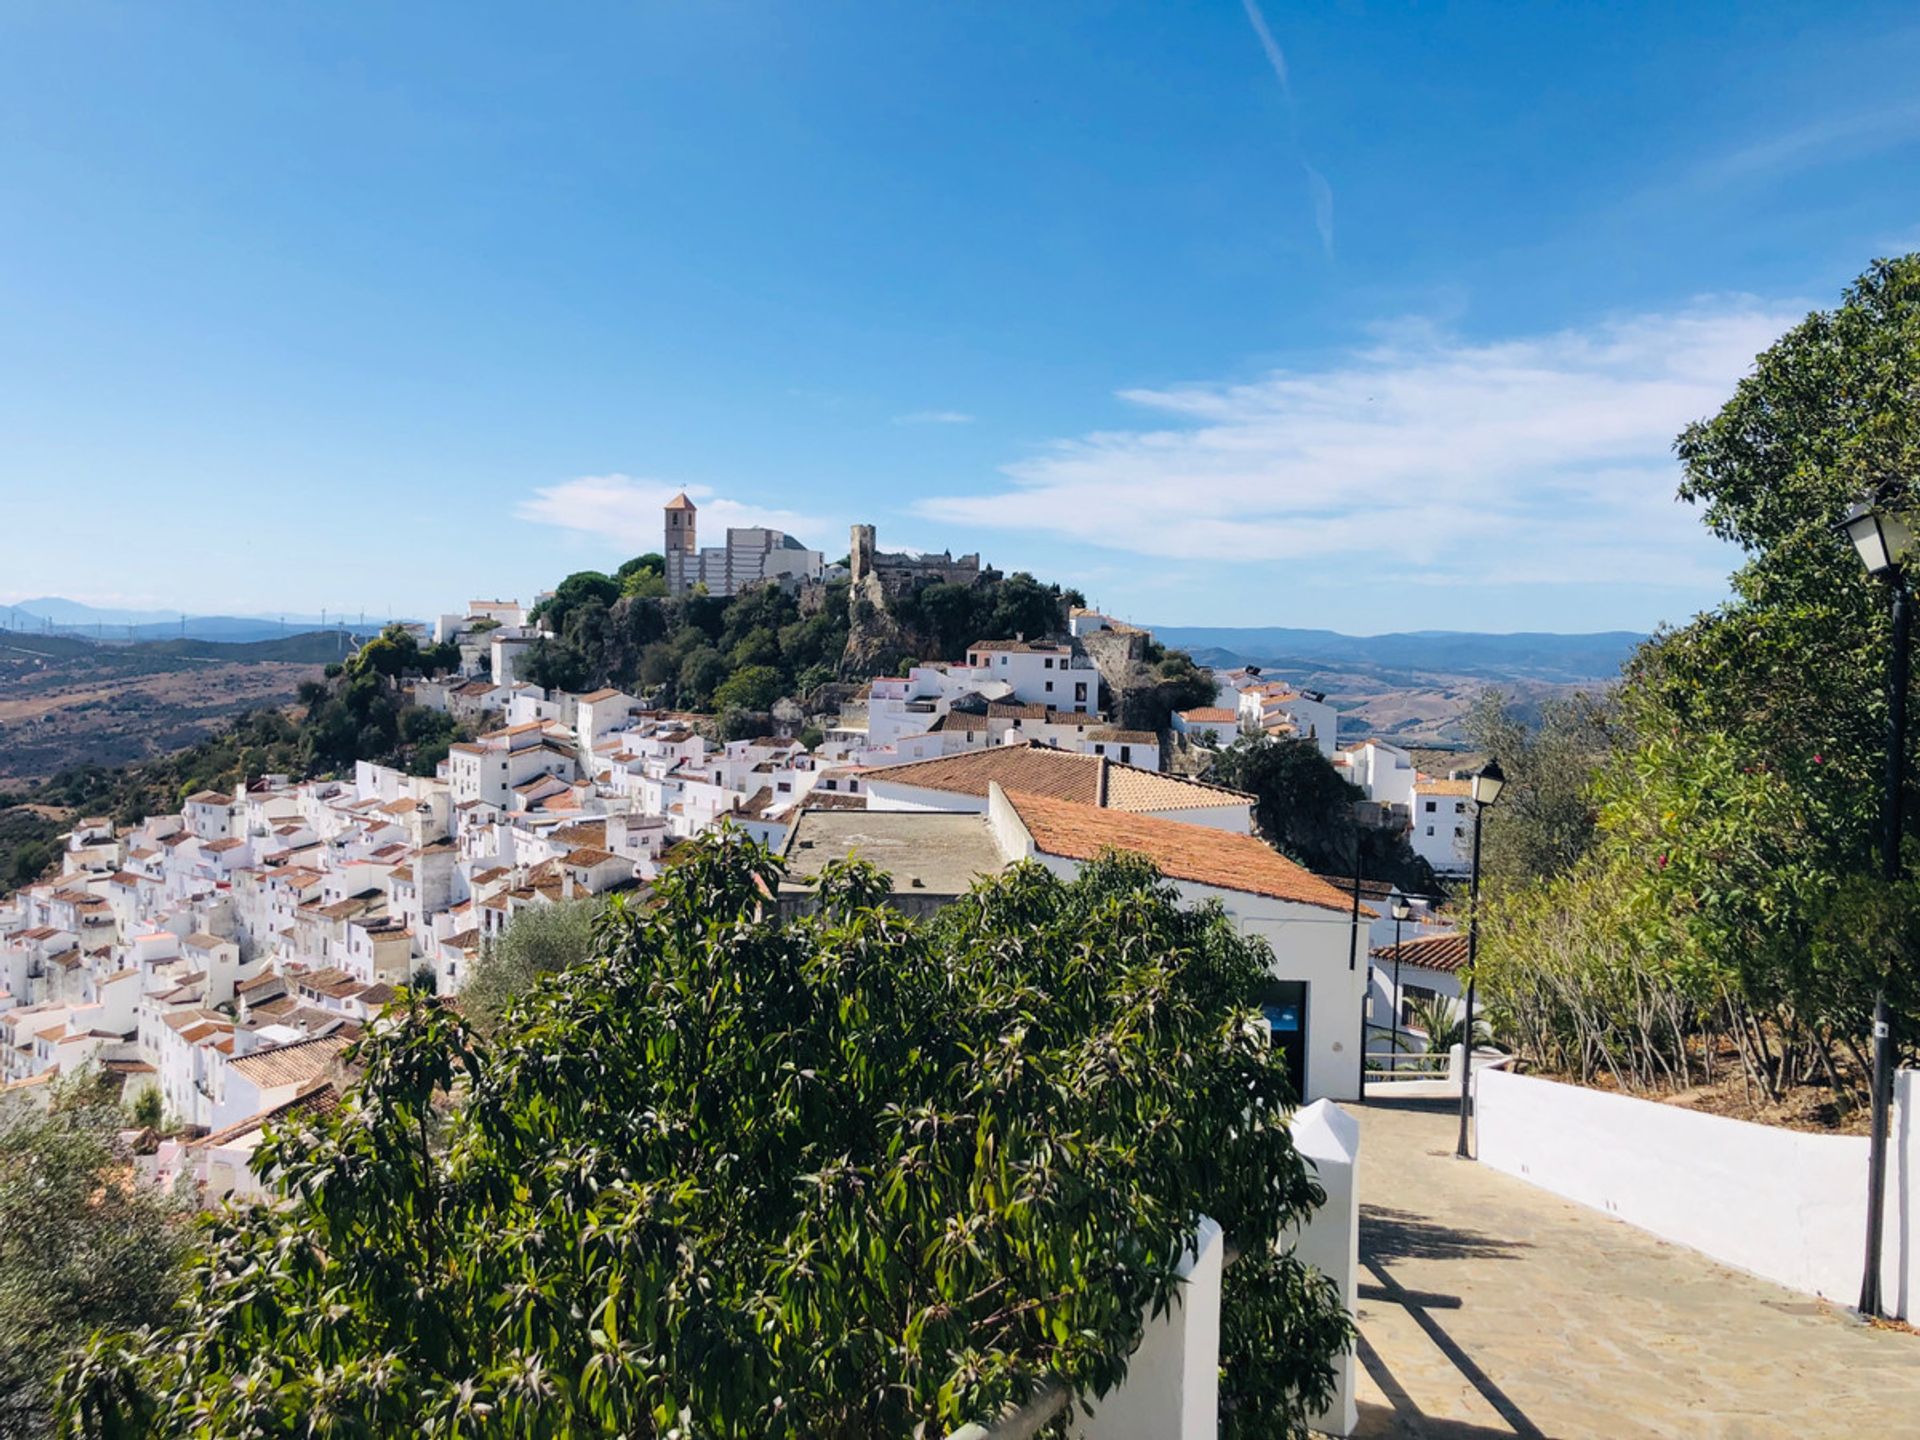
column 1491, row 1308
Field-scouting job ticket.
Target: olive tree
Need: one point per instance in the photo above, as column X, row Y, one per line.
column 82, row 1244
column 834, row 1175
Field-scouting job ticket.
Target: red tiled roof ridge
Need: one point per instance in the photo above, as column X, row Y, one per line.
column 1198, row 854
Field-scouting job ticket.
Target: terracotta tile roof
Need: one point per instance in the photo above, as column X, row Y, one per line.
column 597, row 696
column 585, row 832
column 588, row 856
column 295, row 1063
column 1131, row 788
column 957, row 721
column 316, row 1099
column 1430, row 952
column 1424, row 786
column 1198, row 854
column 1211, row 715
column 1031, row 769
column 1124, row 737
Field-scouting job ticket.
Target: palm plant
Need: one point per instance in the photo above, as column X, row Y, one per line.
column 1443, row 1019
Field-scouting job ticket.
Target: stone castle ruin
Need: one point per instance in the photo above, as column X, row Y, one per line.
column 879, row 578
column 895, row 573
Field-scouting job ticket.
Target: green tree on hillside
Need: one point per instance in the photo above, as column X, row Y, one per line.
column 83, row 1244
column 753, row 687
column 1547, row 813
column 1304, row 808
column 540, row 940
column 1732, row 886
column 643, row 578
column 742, row 1175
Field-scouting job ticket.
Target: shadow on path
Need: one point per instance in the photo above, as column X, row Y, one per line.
column 1387, row 1234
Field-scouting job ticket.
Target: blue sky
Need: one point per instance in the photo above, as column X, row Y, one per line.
column 1371, row 316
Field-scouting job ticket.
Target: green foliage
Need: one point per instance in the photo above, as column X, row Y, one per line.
column 539, row 940
column 30, row 860
column 1305, row 810
column 643, row 578
column 1279, row 1323
column 738, row 724
column 701, row 673
column 1546, row 814
column 580, row 590
column 843, row 1175
column 752, row 687
column 1184, row 683
column 947, row 618
column 394, row 653
column 82, row 1244
column 1443, row 1020
column 813, row 737
column 148, row 1111
column 1731, row 893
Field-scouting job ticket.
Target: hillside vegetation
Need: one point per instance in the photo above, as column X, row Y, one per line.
column 743, row 653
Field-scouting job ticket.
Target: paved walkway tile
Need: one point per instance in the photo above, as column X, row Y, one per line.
column 1490, row 1308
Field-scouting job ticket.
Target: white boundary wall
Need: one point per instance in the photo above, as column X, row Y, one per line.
column 1782, row 1204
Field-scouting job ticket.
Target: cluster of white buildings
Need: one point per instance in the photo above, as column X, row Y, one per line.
column 1249, row 704
column 1437, row 811
column 224, row 955
column 276, row 920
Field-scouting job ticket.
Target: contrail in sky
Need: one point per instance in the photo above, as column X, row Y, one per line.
column 1318, row 190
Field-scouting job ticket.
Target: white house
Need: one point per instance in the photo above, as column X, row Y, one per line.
column 1383, row 771
column 1129, row 747
column 1213, row 725
column 1420, row 968
column 1040, row 672
column 267, row 1078
column 1279, row 710
column 1443, row 824
column 1317, row 992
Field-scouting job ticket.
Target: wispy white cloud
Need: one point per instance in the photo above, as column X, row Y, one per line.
column 1432, row 459
column 1322, row 195
column 934, row 417
column 1861, row 131
column 1319, row 192
column 1276, row 57
column 625, row 510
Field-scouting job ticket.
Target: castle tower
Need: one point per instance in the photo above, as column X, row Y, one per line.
column 860, row 553
column 680, row 547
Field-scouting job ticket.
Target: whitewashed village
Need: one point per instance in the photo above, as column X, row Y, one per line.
column 959, row 722
column 226, row 955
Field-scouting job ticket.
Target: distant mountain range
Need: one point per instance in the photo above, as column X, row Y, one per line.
column 1530, row 656
column 71, row 617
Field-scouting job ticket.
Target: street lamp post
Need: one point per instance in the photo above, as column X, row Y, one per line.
column 1883, row 541
column 1401, row 909
column 1487, row 785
